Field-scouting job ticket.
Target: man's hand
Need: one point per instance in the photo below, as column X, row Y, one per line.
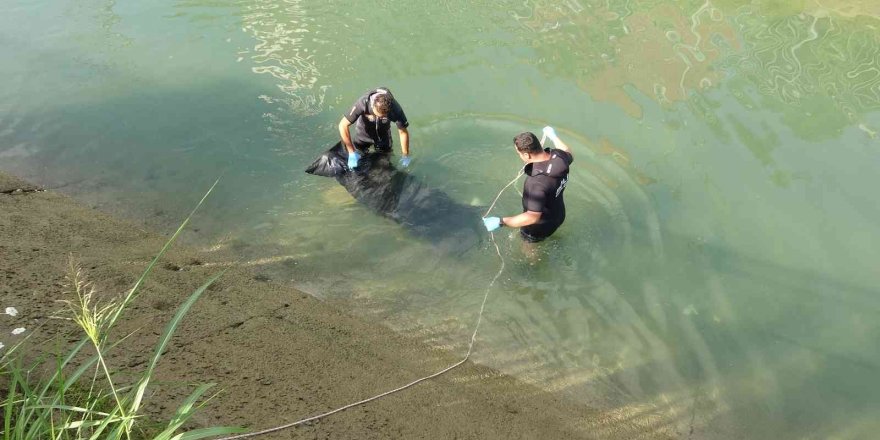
column 550, row 133
column 353, row 159
column 492, row 223
column 405, row 160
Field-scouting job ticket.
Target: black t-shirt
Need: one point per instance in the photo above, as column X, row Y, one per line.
column 372, row 130
column 543, row 191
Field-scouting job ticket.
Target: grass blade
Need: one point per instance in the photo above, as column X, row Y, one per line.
column 133, row 292
column 104, row 424
column 59, row 370
column 9, row 407
column 185, row 409
column 78, row 409
column 183, row 412
column 163, row 342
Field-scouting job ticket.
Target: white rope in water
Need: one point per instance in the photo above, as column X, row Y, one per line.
column 401, row 388
column 521, row 172
column 466, row 356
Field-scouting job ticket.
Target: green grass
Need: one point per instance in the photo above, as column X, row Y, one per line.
column 73, row 395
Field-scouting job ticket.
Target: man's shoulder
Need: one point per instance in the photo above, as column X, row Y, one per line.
column 360, row 104
column 539, row 181
column 397, row 114
column 562, row 154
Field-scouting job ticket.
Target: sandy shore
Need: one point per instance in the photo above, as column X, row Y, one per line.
column 277, row 354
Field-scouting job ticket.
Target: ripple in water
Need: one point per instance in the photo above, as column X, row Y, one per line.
column 281, row 28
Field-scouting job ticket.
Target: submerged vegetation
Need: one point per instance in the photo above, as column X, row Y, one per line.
column 74, row 394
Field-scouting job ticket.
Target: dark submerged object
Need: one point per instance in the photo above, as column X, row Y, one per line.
column 334, row 162
column 425, row 212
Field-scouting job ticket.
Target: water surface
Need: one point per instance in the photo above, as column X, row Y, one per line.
column 716, row 276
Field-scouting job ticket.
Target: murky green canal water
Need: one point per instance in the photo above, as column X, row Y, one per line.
column 717, row 276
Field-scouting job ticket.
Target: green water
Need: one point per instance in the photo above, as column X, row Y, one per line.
column 716, row 276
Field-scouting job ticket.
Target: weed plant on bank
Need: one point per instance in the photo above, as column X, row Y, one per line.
column 75, row 396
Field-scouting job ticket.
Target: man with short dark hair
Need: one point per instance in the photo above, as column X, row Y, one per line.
column 372, row 115
column 546, row 177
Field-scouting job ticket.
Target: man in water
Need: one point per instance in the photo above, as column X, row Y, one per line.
column 372, row 115
column 546, row 176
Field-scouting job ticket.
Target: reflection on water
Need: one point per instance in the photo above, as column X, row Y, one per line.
column 824, row 60
column 281, row 28
column 661, row 51
column 821, row 69
column 715, row 278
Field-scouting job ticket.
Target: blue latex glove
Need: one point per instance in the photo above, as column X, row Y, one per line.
column 491, row 223
column 550, row 133
column 405, row 160
column 353, row 159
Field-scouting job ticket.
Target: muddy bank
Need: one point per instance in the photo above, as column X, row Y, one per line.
column 278, row 355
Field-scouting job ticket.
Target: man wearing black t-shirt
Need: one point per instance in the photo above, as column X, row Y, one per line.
column 546, row 176
column 372, row 115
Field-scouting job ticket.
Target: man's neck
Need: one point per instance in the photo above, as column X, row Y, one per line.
column 540, row 157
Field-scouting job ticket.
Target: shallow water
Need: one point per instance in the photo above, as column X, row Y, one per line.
column 716, row 276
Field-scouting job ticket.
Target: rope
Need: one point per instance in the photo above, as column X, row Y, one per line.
column 521, row 172
column 417, row 381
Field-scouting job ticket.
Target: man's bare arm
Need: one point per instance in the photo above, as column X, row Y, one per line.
column 525, row 219
column 345, row 135
column 557, row 143
column 404, row 140
column 562, row 146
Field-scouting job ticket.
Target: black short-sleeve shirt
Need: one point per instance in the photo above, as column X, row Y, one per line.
column 543, row 192
column 372, row 130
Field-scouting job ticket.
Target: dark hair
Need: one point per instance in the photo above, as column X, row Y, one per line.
column 527, row 142
column 382, row 103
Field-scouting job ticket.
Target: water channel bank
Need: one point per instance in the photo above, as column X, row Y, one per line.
column 279, row 355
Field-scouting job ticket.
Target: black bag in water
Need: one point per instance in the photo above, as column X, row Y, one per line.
column 424, row 211
column 334, row 162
